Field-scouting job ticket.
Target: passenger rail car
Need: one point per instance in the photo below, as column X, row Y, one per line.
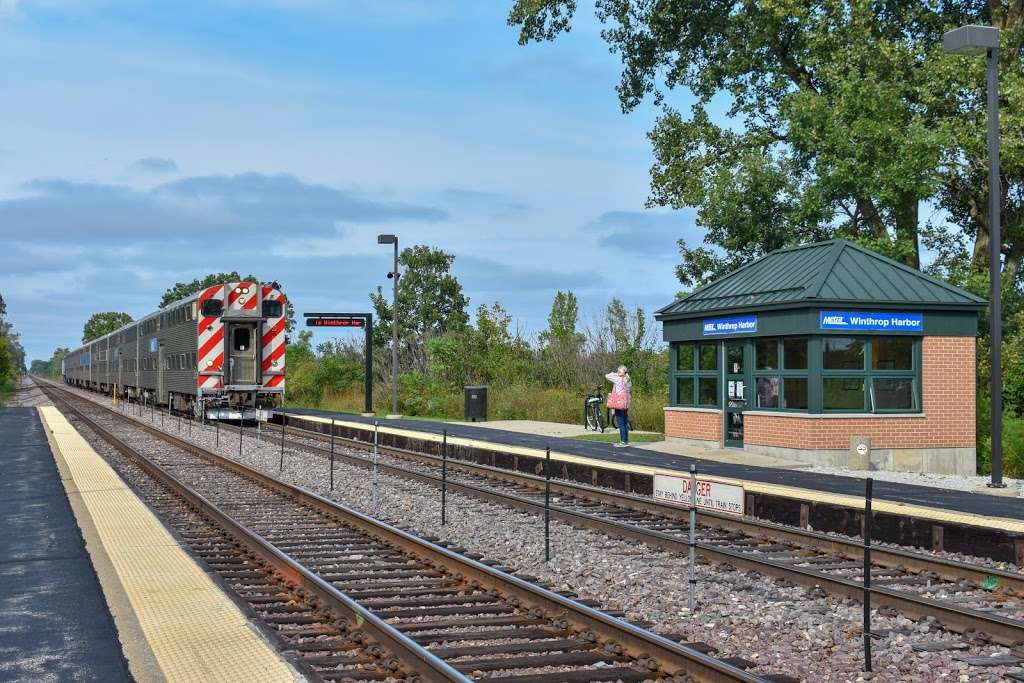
column 220, row 352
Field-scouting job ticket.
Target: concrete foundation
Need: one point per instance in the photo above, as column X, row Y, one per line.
column 927, row 460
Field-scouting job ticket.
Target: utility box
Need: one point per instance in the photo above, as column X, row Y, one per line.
column 860, row 453
column 475, row 403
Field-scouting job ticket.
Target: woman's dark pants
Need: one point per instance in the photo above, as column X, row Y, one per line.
column 622, row 419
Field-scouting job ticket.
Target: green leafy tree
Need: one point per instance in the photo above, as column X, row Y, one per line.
column 59, row 354
column 180, row 290
column 843, row 118
column 103, row 323
column 561, row 343
column 430, row 304
column 39, row 367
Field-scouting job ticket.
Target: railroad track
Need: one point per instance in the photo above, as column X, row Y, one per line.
column 985, row 603
column 359, row 599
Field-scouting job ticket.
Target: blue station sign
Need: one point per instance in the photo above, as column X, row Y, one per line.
column 872, row 321
column 743, row 324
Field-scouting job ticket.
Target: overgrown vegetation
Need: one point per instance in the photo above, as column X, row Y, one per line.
column 441, row 350
column 12, row 356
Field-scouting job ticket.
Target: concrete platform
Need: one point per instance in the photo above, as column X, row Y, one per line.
column 93, row 586
column 45, row 568
column 928, row 504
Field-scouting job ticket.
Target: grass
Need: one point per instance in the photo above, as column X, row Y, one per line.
column 6, row 391
column 613, row 437
column 516, row 402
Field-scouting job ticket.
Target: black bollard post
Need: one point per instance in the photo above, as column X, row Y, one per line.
column 867, row 573
column 547, row 504
column 280, row 467
column 241, row 431
column 692, row 569
column 179, row 421
column 332, row 454
column 444, row 474
column 216, row 430
column 190, row 425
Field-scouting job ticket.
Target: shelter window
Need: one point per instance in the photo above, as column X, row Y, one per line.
column 781, row 373
column 695, row 375
column 872, row 374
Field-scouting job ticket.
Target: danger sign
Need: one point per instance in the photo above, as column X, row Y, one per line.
column 713, row 495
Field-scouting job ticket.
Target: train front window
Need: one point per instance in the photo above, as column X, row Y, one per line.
column 241, row 338
column 213, row 307
column 272, row 309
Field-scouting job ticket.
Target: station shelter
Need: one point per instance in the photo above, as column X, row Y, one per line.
column 831, row 354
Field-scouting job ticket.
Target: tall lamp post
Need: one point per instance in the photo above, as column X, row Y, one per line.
column 978, row 40
column 393, row 239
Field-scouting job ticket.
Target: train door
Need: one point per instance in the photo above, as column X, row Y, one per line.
column 242, row 353
column 160, row 374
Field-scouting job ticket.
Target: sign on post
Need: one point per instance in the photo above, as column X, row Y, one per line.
column 350, row 320
column 711, row 494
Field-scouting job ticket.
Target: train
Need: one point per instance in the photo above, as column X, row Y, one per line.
column 218, row 353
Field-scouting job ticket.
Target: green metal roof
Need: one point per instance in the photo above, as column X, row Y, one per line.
column 832, row 272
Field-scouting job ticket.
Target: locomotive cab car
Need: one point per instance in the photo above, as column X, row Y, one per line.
column 219, row 353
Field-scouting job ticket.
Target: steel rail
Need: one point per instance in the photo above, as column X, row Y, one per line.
column 654, row 651
column 1003, row 630
column 419, row 659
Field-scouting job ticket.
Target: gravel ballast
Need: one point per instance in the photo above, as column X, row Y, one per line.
column 782, row 628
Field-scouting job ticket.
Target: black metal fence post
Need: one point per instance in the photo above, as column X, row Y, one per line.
column 216, row 429
column 693, row 538
column 444, row 474
column 332, row 454
column 547, row 504
column 280, row 467
column 867, row 573
column 241, row 432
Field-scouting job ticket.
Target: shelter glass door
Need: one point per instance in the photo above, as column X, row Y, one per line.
column 242, row 354
column 735, row 381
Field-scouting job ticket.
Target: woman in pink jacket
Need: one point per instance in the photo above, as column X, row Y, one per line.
column 619, row 401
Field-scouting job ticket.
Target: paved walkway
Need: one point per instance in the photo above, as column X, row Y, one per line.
column 54, row 621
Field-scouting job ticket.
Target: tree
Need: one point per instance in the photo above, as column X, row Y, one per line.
column 561, row 343
column 57, row 359
column 844, row 118
column 180, row 290
column 430, row 303
column 103, row 323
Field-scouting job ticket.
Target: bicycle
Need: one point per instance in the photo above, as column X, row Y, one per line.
column 592, row 417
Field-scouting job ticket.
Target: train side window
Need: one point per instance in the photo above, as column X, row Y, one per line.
column 272, row 309
column 181, row 362
column 213, row 307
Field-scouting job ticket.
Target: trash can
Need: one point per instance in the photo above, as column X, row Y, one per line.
column 475, row 403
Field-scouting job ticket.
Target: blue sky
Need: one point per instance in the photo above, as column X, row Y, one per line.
column 147, row 143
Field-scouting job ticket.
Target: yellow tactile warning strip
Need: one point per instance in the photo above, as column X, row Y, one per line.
column 194, row 631
column 805, row 495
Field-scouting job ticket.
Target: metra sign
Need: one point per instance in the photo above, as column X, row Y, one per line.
column 738, row 325
column 883, row 321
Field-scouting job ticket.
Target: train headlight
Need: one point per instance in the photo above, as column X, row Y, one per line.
column 245, row 290
column 209, row 363
column 277, row 363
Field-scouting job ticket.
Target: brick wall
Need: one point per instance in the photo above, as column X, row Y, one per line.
column 694, row 424
column 948, row 393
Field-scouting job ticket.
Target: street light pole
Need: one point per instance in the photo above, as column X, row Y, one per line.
column 393, row 239
column 975, row 40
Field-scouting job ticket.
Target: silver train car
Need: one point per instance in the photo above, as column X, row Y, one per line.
column 220, row 352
